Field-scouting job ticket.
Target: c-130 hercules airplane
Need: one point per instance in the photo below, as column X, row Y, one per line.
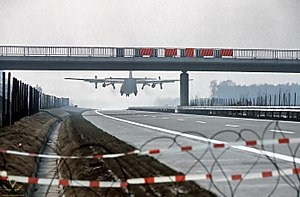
column 129, row 85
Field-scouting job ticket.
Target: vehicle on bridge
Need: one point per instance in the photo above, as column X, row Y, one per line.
column 129, row 84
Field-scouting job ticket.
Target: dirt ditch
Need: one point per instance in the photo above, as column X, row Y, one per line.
column 27, row 135
column 79, row 137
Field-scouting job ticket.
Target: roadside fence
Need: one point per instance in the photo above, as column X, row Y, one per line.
column 19, row 100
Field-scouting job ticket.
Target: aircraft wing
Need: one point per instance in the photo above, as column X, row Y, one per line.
column 114, row 80
column 87, row 80
column 95, row 80
column 105, row 81
column 156, row 81
column 123, row 79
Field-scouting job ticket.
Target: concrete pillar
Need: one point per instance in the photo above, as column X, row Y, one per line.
column 184, row 89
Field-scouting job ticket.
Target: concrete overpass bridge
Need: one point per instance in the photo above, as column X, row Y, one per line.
column 156, row 59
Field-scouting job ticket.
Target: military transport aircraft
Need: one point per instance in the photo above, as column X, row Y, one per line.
column 129, row 85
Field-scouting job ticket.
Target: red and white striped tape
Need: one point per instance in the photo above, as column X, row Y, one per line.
column 170, row 52
column 206, row 52
column 227, row 52
column 164, row 150
column 62, row 182
column 148, row 180
column 146, row 51
column 189, row 52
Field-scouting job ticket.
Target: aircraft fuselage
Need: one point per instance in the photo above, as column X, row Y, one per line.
column 128, row 87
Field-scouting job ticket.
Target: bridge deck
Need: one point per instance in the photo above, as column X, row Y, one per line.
column 164, row 59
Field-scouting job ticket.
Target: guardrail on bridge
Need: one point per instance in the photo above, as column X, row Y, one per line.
column 149, row 52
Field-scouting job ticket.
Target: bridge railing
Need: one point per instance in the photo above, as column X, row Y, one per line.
column 266, row 54
column 149, row 52
column 58, row 51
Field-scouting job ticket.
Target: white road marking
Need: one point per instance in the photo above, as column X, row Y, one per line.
column 202, row 122
column 282, row 131
column 180, row 119
column 145, row 115
column 244, row 148
column 232, row 125
column 165, row 118
column 153, row 116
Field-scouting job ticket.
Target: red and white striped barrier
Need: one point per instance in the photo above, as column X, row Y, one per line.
column 148, row 180
column 189, row 52
column 206, row 52
column 278, row 141
column 227, row 52
column 146, row 52
column 62, row 182
column 170, row 52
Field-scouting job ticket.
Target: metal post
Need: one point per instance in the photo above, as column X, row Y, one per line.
column 27, row 99
column 30, row 100
column 36, row 105
column 13, row 103
column 3, row 100
column 21, row 99
column 8, row 118
column 18, row 101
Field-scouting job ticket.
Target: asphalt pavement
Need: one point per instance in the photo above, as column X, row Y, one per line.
column 151, row 130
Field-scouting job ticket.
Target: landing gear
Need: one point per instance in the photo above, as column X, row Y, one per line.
column 121, row 93
column 135, row 94
column 127, row 95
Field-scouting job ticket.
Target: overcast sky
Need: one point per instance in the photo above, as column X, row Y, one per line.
column 168, row 23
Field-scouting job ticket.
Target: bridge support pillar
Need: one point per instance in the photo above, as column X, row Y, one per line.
column 184, row 89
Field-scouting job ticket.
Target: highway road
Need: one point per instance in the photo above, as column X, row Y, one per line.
column 151, row 130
